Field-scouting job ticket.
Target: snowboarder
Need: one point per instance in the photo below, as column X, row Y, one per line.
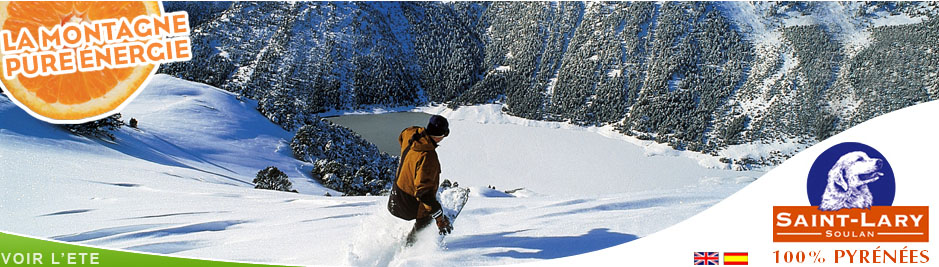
column 414, row 192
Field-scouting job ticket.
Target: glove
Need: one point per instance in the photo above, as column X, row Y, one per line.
column 444, row 225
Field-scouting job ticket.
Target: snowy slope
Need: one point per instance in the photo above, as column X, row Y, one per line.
column 202, row 126
column 181, row 185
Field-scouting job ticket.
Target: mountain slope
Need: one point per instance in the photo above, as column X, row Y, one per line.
column 180, row 185
column 186, row 126
column 702, row 76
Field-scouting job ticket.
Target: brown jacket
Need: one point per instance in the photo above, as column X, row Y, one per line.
column 414, row 193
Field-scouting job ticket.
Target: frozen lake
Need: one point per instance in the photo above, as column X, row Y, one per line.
column 485, row 151
column 382, row 129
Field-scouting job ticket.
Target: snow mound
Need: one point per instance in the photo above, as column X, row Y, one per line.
column 487, row 192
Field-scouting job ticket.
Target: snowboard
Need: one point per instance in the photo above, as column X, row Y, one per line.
column 452, row 198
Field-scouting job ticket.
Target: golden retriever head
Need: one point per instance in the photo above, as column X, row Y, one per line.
column 855, row 169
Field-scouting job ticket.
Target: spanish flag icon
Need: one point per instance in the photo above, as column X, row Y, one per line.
column 735, row 258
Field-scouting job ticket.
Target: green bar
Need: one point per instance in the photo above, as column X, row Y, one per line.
column 23, row 251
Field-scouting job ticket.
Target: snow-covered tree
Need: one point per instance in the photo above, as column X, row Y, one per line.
column 343, row 160
column 99, row 129
column 272, row 178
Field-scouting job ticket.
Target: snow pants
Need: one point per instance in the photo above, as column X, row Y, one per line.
column 419, row 224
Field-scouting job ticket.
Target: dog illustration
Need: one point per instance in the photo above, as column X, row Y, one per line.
column 847, row 182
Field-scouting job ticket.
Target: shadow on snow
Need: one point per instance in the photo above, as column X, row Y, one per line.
column 548, row 247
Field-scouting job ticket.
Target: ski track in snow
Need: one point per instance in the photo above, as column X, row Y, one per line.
column 181, row 185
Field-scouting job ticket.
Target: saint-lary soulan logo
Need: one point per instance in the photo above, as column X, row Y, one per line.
column 851, row 189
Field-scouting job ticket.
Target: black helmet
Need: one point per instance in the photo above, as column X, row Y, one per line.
column 438, row 126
